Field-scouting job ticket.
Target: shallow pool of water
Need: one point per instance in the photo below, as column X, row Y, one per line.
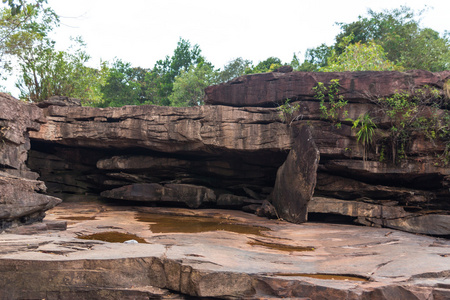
column 112, row 237
column 193, row 224
column 77, row 218
column 281, row 247
column 325, row 276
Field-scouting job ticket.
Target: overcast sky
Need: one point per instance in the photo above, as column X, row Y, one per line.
column 144, row 31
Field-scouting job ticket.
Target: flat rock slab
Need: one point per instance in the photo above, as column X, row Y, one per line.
column 244, row 256
column 265, row 89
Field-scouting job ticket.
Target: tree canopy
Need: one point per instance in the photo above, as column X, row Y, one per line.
column 398, row 32
column 385, row 40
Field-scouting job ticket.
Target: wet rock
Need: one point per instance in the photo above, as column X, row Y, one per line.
column 230, row 200
column 437, row 224
column 191, row 195
column 296, row 178
column 238, row 150
column 347, row 262
column 36, row 228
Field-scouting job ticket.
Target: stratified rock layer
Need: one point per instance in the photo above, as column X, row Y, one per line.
column 233, row 151
column 21, row 196
column 237, row 151
column 192, row 195
column 270, row 89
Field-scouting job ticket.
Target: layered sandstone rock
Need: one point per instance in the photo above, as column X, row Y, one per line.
column 236, row 151
column 199, row 157
column 413, row 193
column 192, row 195
column 270, row 89
column 21, row 196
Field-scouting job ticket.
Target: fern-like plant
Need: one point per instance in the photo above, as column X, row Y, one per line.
column 365, row 131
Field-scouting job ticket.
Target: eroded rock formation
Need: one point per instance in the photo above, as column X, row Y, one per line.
column 409, row 195
column 234, row 151
column 235, row 147
column 225, row 156
column 22, row 198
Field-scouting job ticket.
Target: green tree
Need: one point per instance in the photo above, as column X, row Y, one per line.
column 46, row 72
column 43, row 71
column 233, row 69
column 264, row 66
column 22, row 6
column 315, row 58
column 359, row 57
column 403, row 39
column 20, row 32
column 161, row 78
column 189, row 86
column 121, row 86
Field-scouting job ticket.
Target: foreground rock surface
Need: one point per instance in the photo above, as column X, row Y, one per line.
column 252, row 258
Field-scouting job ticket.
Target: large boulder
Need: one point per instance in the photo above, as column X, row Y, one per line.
column 22, row 201
column 191, row 195
column 296, row 178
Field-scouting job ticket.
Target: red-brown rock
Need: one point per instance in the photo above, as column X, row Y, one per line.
column 296, row 178
column 21, row 196
column 270, row 89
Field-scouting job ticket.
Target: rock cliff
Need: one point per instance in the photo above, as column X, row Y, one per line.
column 22, row 198
column 227, row 153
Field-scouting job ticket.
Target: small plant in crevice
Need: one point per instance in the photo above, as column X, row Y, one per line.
column 382, row 157
column 446, row 89
column 331, row 104
column 365, row 131
column 412, row 112
column 3, row 130
column 288, row 112
column 406, row 114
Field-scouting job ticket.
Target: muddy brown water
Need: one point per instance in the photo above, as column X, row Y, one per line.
column 160, row 223
column 77, row 218
column 281, row 247
column 324, row 276
column 112, row 237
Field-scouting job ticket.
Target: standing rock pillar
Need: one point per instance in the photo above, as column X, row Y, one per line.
column 296, row 178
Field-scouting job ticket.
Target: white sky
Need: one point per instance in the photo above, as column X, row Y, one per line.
column 144, row 31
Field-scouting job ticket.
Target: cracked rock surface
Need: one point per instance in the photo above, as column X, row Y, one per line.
column 216, row 253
